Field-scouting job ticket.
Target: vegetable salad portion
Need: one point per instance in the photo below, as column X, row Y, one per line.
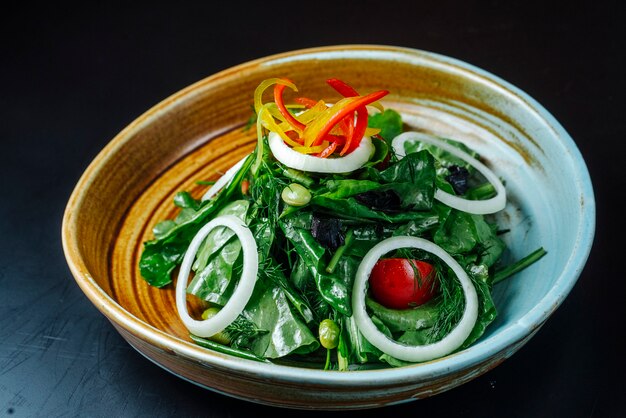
column 341, row 242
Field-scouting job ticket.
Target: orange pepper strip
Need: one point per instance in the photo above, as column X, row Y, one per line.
column 278, row 98
column 308, row 103
column 344, row 111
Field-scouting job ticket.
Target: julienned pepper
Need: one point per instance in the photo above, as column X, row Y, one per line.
column 319, row 130
column 278, row 98
column 342, row 88
column 346, row 90
column 347, row 106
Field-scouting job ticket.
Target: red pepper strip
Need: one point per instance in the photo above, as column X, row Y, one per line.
column 308, row 103
column 349, row 109
column 347, row 91
column 337, row 139
column 359, row 131
column 361, row 125
column 342, row 88
column 328, row 150
column 278, row 98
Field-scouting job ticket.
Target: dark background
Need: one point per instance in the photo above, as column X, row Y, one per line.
column 72, row 77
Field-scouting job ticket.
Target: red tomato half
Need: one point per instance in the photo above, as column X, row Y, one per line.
column 394, row 285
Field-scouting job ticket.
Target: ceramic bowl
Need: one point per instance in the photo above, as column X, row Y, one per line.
column 199, row 132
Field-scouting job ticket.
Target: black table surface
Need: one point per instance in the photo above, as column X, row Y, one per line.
column 74, row 76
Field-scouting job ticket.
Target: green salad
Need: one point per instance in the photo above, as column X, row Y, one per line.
column 343, row 241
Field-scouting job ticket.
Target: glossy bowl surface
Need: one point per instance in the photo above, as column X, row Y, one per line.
column 198, row 133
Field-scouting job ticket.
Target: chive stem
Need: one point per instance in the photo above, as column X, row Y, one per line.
column 519, row 265
column 224, row 349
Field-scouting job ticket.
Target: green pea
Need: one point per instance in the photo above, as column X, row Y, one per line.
column 329, row 334
column 220, row 337
column 296, row 195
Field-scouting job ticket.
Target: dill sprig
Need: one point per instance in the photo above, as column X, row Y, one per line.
column 450, row 303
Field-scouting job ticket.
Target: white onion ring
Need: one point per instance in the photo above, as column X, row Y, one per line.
column 224, row 180
column 478, row 207
column 346, row 164
column 241, row 295
column 366, row 326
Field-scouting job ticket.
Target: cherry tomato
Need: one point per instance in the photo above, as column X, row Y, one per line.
column 394, row 284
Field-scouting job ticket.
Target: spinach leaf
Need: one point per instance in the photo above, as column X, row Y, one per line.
column 271, row 272
column 162, row 228
column 219, row 236
column 214, row 283
column 358, row 348
column 330, row 287
column 389, row 122
column 456, row 234
column 185, row 200
column 418, row 227
column 351, row 209
column 268, row 308
column 463, row 233
column 216, row 259
column 381, row 151
column 159, row 258
column 413, row 179
column 444, row 158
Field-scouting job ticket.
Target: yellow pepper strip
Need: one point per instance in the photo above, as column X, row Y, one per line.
column 268, row 122
column 371, row 131
column 273, row 110
column 306, row 116
column 258, row 93
column 312, row 150
column 378, row 106
column 312, row 129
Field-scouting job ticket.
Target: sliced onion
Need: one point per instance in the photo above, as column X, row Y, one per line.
column 366, row 326
column 293, row 159
column 478, row 207
column 224, row 180
column 241, row 295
